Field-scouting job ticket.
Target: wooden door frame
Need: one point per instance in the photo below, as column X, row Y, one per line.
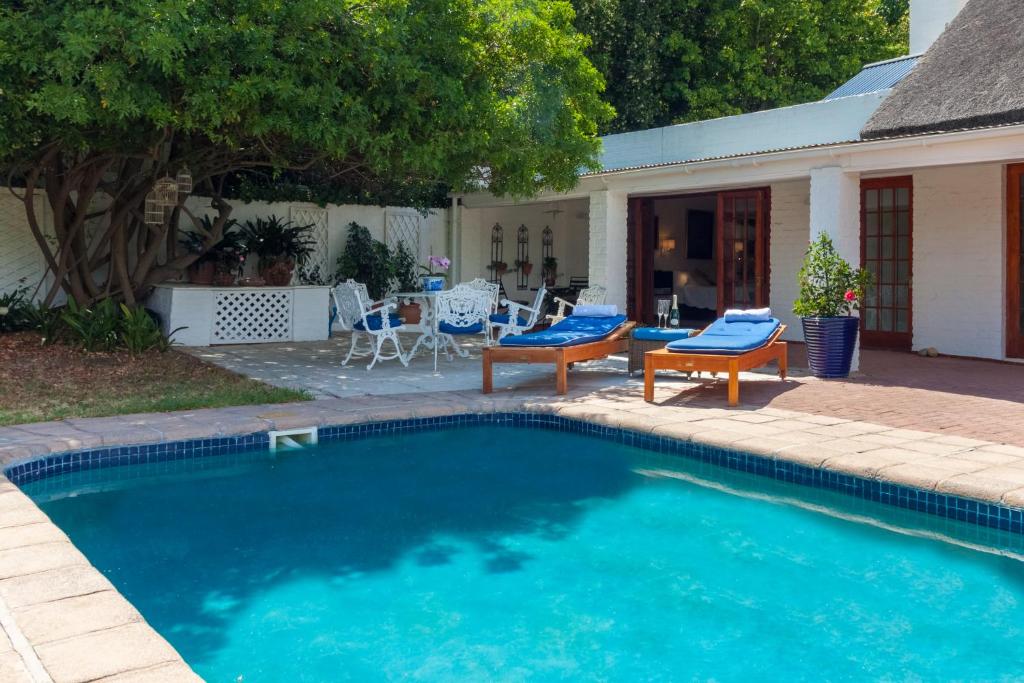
column 762, row 267
column 903, row 341
column 1014, row 333
column 640, row 246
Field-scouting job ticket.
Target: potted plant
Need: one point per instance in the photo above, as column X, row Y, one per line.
column 431, row 280
column 550, row 270
column 279, row 245
column 499, row 268
column 218, row 259
column 366, row 260
column 229, row 259
column 525, row 267
column 830, row 291
column 403, row 264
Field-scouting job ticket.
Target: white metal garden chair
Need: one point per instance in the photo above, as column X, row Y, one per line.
column 519, row 318
column 461, row 311
column 590, row 296
column 374, row 321
column 493, row 289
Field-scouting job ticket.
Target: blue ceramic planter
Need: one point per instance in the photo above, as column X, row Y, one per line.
column 830, row 344
column 432, row 283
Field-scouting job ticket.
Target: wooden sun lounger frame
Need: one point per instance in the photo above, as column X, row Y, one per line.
column 663, row 359
column 561, row 356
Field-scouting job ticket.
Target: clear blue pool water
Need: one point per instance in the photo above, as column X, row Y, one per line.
column 502, row 554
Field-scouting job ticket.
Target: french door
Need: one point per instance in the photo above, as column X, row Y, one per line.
column 887, row 239
column 742, row 228
column 1015, row 261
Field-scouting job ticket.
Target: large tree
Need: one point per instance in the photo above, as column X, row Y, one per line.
column 672, row 61
column 100, row 100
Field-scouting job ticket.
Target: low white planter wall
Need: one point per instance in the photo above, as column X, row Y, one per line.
column 242, row 315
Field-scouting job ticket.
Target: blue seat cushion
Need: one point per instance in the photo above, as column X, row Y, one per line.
column 503, row 318
column 728, row 338
column 375, row 322
column 572, row 331
column 448, row 328
column 662, row 334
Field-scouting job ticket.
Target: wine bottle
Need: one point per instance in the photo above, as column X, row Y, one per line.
column 673, row 316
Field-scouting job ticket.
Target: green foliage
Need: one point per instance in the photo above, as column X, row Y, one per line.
column 829, row 285
column 273, row 238
column 319, row 188
column 227, row 255
column 404, row 268
column 671, row 61
column 47, row 321
column 139, row 332
column 15, row 311
column 94, row 328
column 417, row 91
column 105, row 326
column 366, row 260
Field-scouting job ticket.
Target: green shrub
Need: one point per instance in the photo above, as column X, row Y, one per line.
column 47, row 321
column 140, row 332
column 366, row 260
column 95, row 328
column 829, row 286
column 15, row 311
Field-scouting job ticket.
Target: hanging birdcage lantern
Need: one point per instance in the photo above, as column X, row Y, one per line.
column 184, row 181
column 153, row 213
column 166, row 192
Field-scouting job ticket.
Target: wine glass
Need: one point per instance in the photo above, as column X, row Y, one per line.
column 662, row 311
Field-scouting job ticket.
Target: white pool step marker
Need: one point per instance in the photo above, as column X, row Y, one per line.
column 292, row 438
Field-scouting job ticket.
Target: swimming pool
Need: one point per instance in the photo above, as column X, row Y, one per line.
column 502, row 553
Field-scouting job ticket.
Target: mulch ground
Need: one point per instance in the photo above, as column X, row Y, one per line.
column 39, row 383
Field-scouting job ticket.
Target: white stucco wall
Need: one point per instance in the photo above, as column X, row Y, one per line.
column 433, row 226
column 608, row 230
column 570, row 235
column 790, row 233
column 959, row 265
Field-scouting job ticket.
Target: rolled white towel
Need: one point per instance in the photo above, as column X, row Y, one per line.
column 596, row 310
column 750, row 315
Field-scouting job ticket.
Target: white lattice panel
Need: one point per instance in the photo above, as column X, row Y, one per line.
column 21, row 262
column 317, row 217
column 246, row 316
column 404, row 227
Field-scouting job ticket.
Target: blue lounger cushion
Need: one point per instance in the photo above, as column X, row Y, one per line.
column 448, row 328
column 375, row 322
column 662, row 334
column 572, row 331
column 503, row 318
column 728, row 338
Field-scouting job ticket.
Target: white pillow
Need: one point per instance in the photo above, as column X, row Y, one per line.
column 596, row 310
column 751, row 315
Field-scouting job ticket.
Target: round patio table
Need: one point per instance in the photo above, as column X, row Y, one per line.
column 429, row 336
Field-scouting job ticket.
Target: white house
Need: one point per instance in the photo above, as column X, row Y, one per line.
column 911, row 166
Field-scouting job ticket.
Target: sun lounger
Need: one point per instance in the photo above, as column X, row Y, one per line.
column 722, row 347
column 572, row 340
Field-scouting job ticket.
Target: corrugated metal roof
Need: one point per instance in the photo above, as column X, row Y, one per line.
column 875, row 77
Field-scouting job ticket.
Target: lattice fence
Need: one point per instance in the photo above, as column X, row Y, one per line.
column 317, row 217
column 21, row 262
column 252, row 316
column 405, row 227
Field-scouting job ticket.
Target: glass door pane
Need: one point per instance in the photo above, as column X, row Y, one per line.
column 743, row 257
column 886, row 251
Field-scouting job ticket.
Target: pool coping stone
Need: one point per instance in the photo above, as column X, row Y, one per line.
column 44, row 577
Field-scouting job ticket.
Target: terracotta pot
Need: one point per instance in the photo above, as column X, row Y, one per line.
column 527, row 268
column 224, row 279
column 410, row 313
column 549, row 278
column 277, row 272
column 201, row 273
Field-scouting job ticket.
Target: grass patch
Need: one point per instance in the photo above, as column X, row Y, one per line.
column 41, row 383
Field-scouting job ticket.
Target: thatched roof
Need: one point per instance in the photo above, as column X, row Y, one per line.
column 971, row 77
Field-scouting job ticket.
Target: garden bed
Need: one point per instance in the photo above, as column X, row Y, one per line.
column 39, row 383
